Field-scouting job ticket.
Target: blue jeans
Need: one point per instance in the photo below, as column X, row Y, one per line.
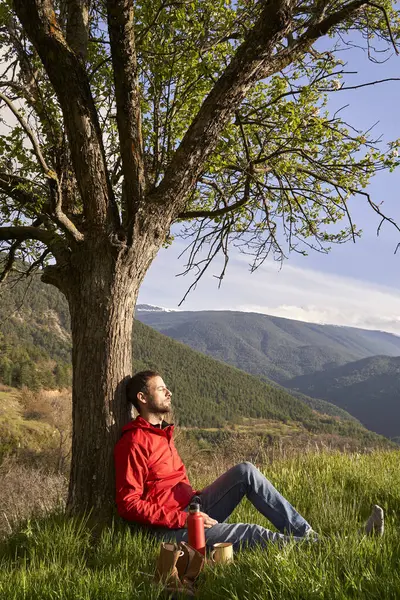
column 219, row 500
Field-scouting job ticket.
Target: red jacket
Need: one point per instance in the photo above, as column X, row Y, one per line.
column 152, row 485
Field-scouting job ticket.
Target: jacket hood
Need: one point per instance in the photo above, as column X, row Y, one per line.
column 140, row 423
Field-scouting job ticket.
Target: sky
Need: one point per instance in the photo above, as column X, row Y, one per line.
column 356, row 284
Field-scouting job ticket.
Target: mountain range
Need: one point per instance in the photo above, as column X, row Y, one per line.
column 35, row 349
column 343, row 365
column 35, row 342
column 269, row 347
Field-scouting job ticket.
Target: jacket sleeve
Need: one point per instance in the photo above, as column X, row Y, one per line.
column 131, row 472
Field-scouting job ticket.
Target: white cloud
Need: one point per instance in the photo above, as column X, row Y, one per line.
column 316, row 297
column 329, row 315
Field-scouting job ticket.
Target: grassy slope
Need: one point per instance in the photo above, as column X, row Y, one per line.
column 58, row 559
column 369, row 389
column 18, row 432
column 271, row 346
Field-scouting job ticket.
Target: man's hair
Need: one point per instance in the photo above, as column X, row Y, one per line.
column 138, row 383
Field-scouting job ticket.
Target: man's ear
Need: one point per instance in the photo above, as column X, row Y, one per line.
column 141, row 397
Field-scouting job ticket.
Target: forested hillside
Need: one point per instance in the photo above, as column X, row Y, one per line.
column 368, row 389
column 35, row 346
column 209, row 393
column 270, row 347
column 35, row 322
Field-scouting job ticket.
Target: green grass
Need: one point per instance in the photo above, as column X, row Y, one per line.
column 57, row 559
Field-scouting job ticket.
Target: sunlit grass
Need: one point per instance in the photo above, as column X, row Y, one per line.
column 57, row 558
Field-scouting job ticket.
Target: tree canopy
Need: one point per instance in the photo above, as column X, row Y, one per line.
column 220, row 106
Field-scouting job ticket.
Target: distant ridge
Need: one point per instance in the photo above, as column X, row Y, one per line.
column 271, row 347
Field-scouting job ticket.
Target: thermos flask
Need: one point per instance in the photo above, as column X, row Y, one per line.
column 195, row 525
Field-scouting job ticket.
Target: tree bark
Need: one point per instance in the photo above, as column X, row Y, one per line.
column 102, row 296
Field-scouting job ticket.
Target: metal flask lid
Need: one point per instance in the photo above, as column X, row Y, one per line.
column 194, row 507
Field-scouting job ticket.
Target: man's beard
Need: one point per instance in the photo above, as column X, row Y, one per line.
column 156, row 409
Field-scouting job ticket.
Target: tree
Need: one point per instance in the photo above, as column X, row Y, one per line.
column 130, row 117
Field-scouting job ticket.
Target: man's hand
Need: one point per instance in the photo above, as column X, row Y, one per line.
column 208, row 521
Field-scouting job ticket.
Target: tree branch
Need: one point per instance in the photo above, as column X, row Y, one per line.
column 314, row 32
column 274, row 24
column 384, row 11
column 198, row 214
column 69, row 79
column 29, row 88
column 15, row 187
column 254, row 60
column 10, row 261
column 122, row 39
column 360, row 85
column 28, row 232
column 38, row 262
column 59, row 217
column 49, row 172
column 77, row 31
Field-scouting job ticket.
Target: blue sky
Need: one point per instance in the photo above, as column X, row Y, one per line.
column 356, row 284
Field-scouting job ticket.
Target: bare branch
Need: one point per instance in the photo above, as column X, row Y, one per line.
column 384, row 11
column 314, row 32
column 199, row 214
column 378, row 211
column 220, row 244
column 215, row 248
column 361, row 85
column 37, row 263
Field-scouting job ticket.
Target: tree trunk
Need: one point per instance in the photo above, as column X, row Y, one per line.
column 102, row 298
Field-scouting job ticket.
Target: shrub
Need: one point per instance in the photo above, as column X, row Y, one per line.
column 27, row 492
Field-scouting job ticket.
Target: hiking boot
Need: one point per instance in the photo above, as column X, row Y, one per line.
column 189, row 564
column 167, row 572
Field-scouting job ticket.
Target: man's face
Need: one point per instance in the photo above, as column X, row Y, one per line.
column 158, row 397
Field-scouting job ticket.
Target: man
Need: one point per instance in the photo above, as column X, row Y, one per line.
column 153, row 489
